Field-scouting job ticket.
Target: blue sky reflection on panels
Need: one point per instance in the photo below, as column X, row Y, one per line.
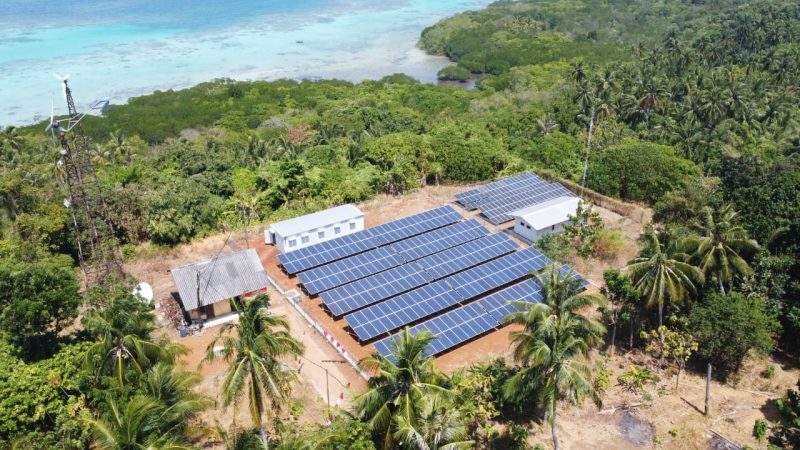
column 122, row 48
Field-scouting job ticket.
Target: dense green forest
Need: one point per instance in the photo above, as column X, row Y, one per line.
column 689, row 107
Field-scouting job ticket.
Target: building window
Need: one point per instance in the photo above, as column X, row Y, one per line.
column 304, row 239
column 352, row 226
column 553, row 228
column 337, row 229
column 321, row 234
column 292, row 242
column 527, row 226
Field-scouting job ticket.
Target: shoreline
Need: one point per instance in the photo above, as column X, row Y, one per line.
column 347, row 44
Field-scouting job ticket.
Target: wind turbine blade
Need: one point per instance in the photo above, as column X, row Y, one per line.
column 64, row 91
column 66, row 77
column 57, row 76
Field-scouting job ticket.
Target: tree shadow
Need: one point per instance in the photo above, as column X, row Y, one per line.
column 692, row 405
column 770, row 411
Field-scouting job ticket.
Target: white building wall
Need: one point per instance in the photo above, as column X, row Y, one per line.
column 522, row 228
column 322, row 234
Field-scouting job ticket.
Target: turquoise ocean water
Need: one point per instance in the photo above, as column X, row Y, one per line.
column 117, row 49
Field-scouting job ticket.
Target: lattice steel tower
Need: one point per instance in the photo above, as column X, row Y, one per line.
column 94, row 233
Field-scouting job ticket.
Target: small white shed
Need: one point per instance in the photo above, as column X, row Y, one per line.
column 544, row 218
column 314, row 228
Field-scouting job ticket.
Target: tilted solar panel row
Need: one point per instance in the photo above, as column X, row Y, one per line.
column 377, row 260
column 474, row 319
column 499, row 211
column 450, row 329
column 351, row 268
column 508, row 188
column 389, row 315
column 366, row 291
column 469, row 197
column 360, row 241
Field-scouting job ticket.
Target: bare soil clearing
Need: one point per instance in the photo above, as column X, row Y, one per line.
column 673, row 417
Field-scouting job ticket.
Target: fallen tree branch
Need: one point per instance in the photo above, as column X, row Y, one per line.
column 611, row 410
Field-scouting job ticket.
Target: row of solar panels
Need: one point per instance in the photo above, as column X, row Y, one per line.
column 360, row 241
column 474, row 319
column 499, row 199
column 412, row 306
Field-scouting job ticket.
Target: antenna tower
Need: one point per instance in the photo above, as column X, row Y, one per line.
column 94, row 233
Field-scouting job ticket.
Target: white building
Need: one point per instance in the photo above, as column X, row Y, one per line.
column 544, row 218
column 314, row 228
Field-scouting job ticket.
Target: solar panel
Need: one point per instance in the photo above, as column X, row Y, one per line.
column 351, row 268
column 498, row 304
column 474, row 319
column 373, row 288
column 414, row 305
column 450, row 329
column 467, row 255
column 351, row 244
column 325, row 252
column 497, row 211
column 416, row 224
column 468, row 198
column 389, row 283
column 504, row 189
column 383, row 317
column 499, row 272
column 440, row 239
column 377, row 260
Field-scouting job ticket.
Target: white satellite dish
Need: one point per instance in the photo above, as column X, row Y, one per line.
column 144, row 291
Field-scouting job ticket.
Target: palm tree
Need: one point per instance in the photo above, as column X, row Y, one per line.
column 550, row 347
column 401, row 387
column 11, row 138
column 661, row 274
column 138, row 425
column 239, row 439
column 719, row 245
column 124, row 341
column 254, row 360
column 441, row 427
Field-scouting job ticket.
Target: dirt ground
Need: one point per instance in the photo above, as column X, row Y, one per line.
column 663, row 418
column 733, row 409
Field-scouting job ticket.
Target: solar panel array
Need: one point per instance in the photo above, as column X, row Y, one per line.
column 360, row 241
column 498, row 199
column 377, row 260
column 397, row 280
column 467, row 322
column 470, row 199
column 417, row 304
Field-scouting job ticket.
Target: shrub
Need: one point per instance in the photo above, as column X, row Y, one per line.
column 638, row 171
column 635, row 379
column 608, row 244
column 454, row 73
column 728, row 326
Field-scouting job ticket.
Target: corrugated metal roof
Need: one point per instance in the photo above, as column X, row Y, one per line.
column 549, row 213
column 316, row 220
column 220, row 278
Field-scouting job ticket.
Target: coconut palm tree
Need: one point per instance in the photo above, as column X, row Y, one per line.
column 124, row 341
column 550, row 348
column 139, row 424
column 237, row 438
column 401, row 386
column 719, row 245
column 254, row 354
column 440, row 427
column 661, row 274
